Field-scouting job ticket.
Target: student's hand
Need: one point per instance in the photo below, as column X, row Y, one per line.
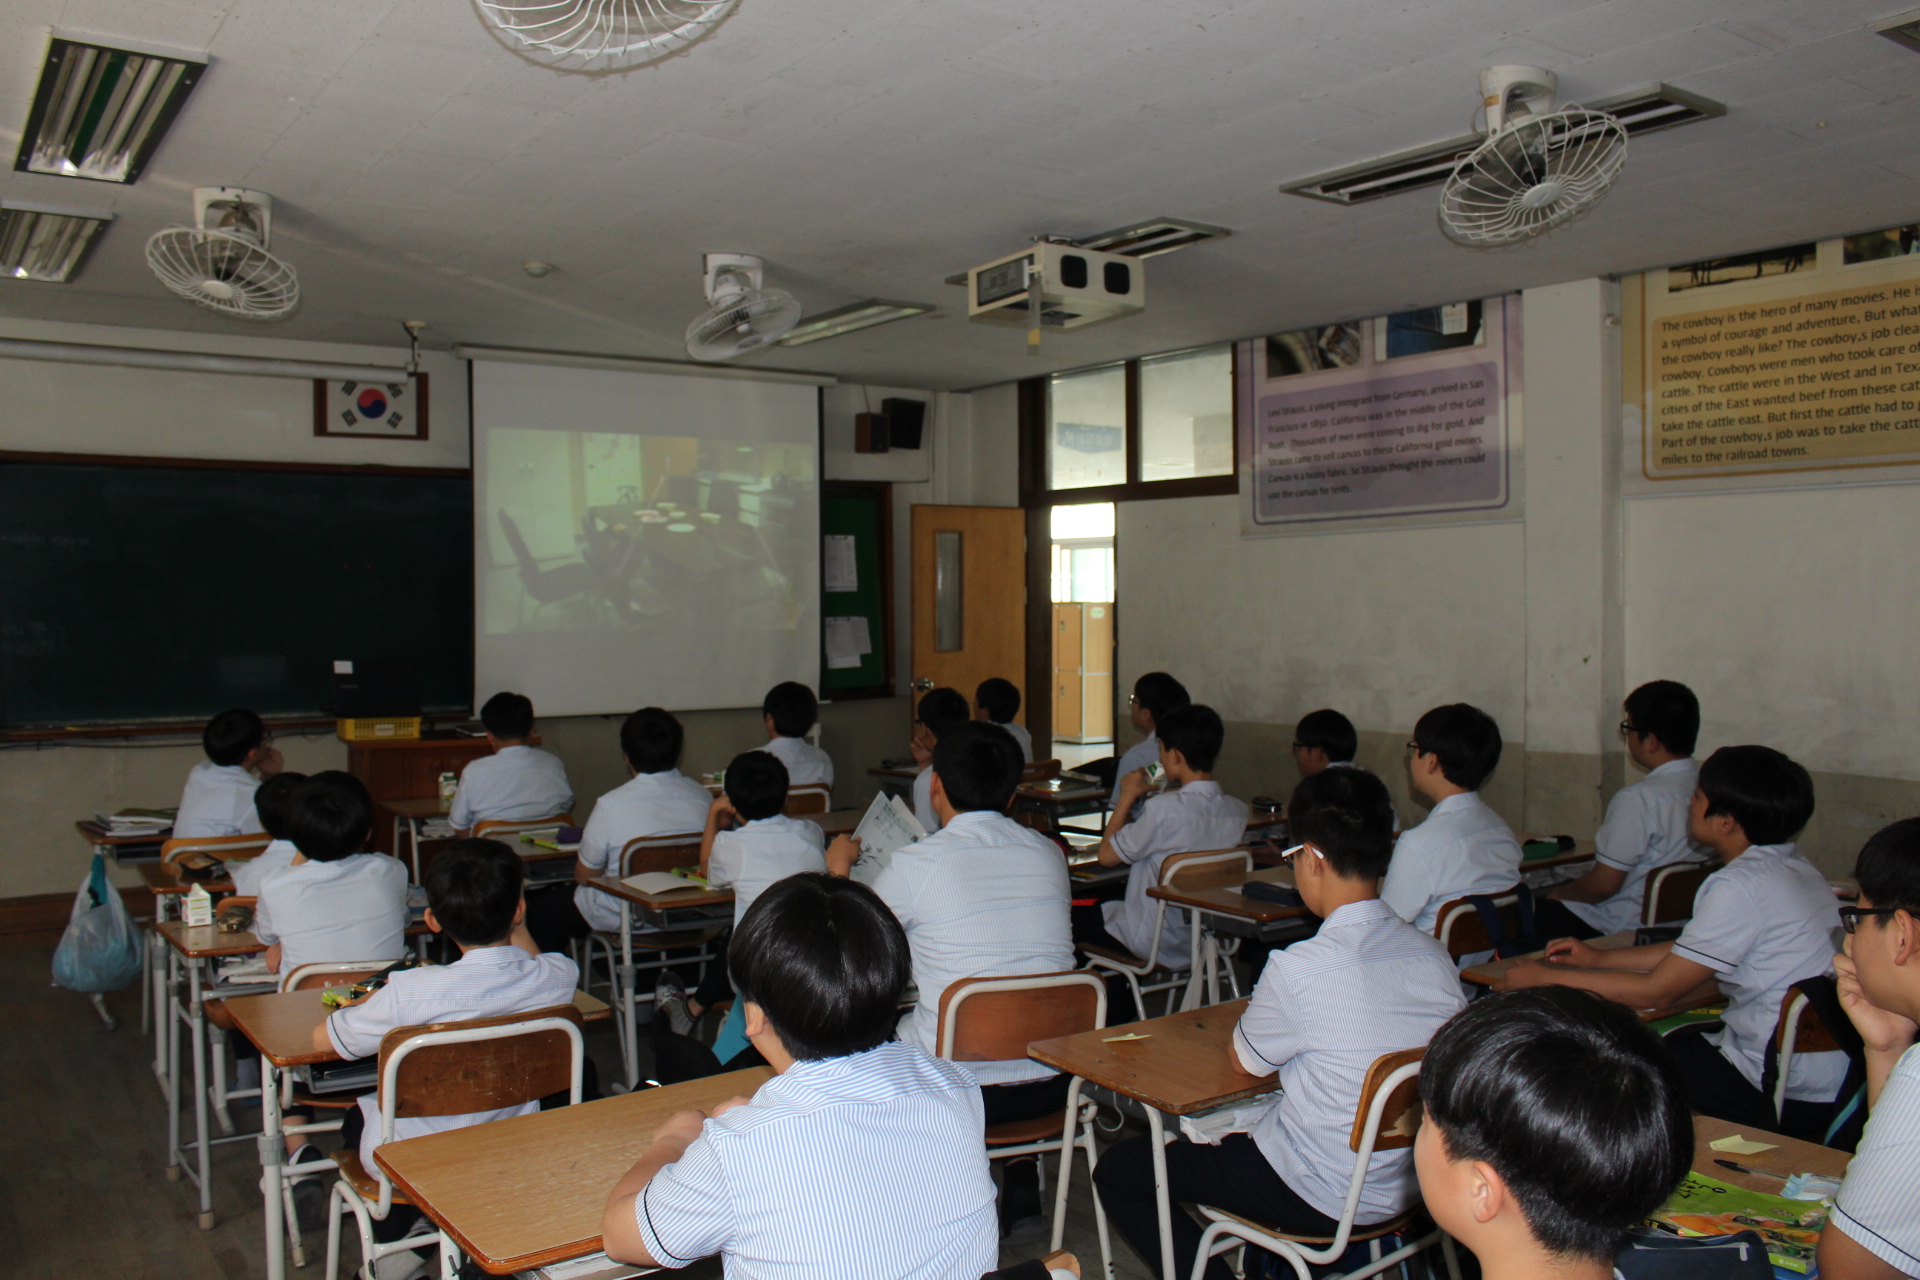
column 273, row 958
column 842, row 854
column 920, row 746
column 721, row 806
column 735, row 1101
column 1527, row 973
column 1881, row 1032
column 1132, row 787
column 269, row 761
column 680, row 1128
column 1571, row 953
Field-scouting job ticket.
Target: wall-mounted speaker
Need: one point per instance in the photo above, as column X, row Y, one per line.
column 906, row 419
column 873, row 433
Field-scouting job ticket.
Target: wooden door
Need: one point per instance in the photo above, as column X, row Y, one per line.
column 969, row 599
column 1068, row 706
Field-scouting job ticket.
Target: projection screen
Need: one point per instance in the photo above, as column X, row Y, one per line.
column 643, row 539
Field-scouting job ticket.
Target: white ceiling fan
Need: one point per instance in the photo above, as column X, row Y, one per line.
column 602, row 35
column 1538, row 168
column 221, row 262
column 745, row 315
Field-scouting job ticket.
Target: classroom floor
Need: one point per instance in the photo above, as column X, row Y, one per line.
column 83, row 1188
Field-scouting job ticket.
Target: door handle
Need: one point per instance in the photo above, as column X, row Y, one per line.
column 922, row 685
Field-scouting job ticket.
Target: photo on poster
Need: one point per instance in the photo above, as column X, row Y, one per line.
column 1429, row 329
column 1894, row 242
column 1327, row 346
column 1741, row 266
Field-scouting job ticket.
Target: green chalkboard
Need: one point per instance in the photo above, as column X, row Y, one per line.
column 153, row 593
column 862, row 512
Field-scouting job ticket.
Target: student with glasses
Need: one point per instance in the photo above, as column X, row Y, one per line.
column 1463, row 847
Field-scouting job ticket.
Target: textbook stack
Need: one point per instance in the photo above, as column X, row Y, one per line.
column 135, row 822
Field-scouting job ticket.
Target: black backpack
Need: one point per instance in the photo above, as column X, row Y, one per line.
column 1527, row 941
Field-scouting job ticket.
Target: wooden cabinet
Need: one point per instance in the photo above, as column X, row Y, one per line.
column 1082, row 673
column 408, row 770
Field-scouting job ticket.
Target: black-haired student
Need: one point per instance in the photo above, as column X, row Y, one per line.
column 1761, row 923
column 1463, row 847
column 1366, row 984
column 789, row 711
column 518, row 782
column 997, row 701
column 1155, row 695
column 218, row 799
column 474, row 897
column 1197, row 815
column 861, row 1159
column 273, row 801
column 1646, row 823
column 1554, row 1124
column 657, row 800
column 1874, row 1232
column 939, row 710
column 984, row 897
column 1327, row 740
column 332, row 902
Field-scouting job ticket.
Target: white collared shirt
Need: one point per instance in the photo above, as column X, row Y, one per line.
column 1645, row 829
column 806, row 763
column 1463, row 848
column 668, row 803
column 867, row 1167
column 486, row 982
column 1763, row 922
column 923, row 800
column 755, row 855
column 1021, row 736
column 1879, row 1203
column 354, row 908
column 251, row 873
column 218, row 801
column 1138, row 756
column 984, row 898
column 514, row 784
column 1198, row 816
column 1368, row 983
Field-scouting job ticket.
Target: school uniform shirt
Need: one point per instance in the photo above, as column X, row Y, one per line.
column 1879, row 1203
column 1197, row 816
column 1462, row 848
column 1138, row 756
column 668, row 803
column 486, row 982
column 1021, row 736
column 806, row 763
column 250, row 874
column 865, row 1167
column 923, row 800
column 1368, row 983
column 218, row 801
column 1763, row 922
column 985, row 897
column 1645, row 829
column 514, row 784
column 354, row 908
column 754, row 855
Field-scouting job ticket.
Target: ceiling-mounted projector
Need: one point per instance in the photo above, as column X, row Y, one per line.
column 1076, row 288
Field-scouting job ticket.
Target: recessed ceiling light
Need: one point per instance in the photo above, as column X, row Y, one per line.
column 858, row 315
column 1905, row 30
column 100, row 110
column 538, row 270
column 41, row 243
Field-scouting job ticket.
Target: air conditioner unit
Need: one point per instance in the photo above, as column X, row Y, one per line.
column 1078, row 287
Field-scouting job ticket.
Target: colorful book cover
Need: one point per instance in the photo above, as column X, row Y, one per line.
column 1703, row 1206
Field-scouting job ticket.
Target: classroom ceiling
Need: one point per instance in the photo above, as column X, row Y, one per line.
column 873, row 147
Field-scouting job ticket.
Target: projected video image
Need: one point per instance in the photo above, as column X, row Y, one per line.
column 610, row 531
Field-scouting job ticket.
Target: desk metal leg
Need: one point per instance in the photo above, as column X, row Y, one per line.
column 272, row 1150
column 1066, row 1177
column 158, row 967
column 171, row 1077
column 631, row 1045
column 1190, row 999
column 1156, row 1134
column 202, row 1148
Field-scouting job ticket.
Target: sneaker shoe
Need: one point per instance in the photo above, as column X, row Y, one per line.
column 309, row 1192
column 406, row 1264
column 670, row 998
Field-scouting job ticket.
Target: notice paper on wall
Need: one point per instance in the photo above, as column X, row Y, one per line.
column 841, row 570
column 847, row 641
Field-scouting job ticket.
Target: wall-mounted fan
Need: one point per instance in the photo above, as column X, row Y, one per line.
column 1538, row 168
column 602, row 35
column 744, row 316
column 221, row 262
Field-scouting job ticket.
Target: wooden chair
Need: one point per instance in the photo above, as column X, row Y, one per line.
column 1461, row 931
column 1167, row 974
column 994, row 1020
column 1670, row 890
column 501, row 828
column 235, row 848
column 808, row 797
column 1798, row 1031
column 1386, row 1119
column 451, row 1069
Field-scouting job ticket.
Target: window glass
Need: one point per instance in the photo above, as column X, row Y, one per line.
column 1087, row 428
column 1186, row 415
column 1083, row 520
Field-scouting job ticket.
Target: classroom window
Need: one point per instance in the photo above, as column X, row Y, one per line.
column 1159, row 427
column 949, row 617
column 1186, row 415
column 1082, row 537
column 1087, row 428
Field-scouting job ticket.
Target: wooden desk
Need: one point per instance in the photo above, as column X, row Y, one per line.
column 1790, row 1156
column 1215, row 894
column 1185, row 1064
column 163, row 880
column 115, row 846
column 838, row 822
column 1486, row 975
column 407, row 815
column 530, row 1191
column 409, row 770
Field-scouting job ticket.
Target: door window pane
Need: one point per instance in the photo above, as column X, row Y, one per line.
column 1186, row 415
column 949, row 621
column 1087, row 428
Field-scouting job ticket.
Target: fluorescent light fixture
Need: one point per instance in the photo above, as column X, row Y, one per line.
column 41, row 243
column 847, row 319
column 1904, row 30
column 195, row 361
column 1153, row 237
column 100, row 111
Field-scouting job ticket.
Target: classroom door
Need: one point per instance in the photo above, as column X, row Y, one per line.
column 969, row 598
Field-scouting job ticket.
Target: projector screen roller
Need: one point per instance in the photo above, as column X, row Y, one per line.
column 643, row 539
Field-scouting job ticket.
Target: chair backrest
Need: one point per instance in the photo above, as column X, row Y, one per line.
column 1670, row 890
column 1461, row 931
column 486, row 1064
column 1800, row 1029
column 330, row 973
column 659, row 853
column 1389, row 1101
column 1206, row 868
column 995, row 1019
column 808, row 797
column 226, row 848
column 521, row 552
column 1040, row 771
column 498, row 827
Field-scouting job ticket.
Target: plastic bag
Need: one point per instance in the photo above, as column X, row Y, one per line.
column 100, row 951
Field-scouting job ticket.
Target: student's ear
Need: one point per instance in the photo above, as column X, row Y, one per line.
column 936, row 789
column 520, row 910
column 433, row 922
column 1174, row 759
column 1906, row 939
column 754, row 1021
column 1487, row 1192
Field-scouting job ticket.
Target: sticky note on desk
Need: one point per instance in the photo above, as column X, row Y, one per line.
column 1131, row 1035
column 1735, row 1145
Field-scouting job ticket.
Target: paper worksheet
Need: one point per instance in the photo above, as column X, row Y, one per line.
column 887, row 827
column 841, row 570
column 847, row 641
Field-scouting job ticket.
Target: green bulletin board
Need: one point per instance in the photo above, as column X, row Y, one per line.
column 863, row 512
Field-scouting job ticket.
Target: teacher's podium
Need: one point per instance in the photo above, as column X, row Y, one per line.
column 408, row 769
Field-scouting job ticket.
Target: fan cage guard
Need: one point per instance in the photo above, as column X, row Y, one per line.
column 763, row 314
column 224, row 272
column 603, row 35
column 1533, row 176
